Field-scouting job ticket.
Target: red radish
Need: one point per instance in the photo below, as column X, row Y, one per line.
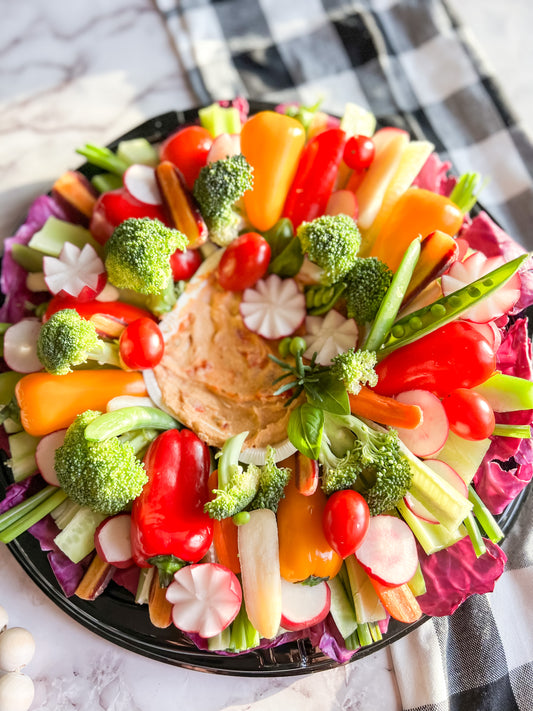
column 205, row 598
column 303, row 605
column 20, row 346
column 474, row 267
column 225, row 145
column 141, row 184
column 342, row 202
column 431, row 434
column 112, row 540
column 114, row 207
column 273, row 308
column 45, row 454
column 76, row 272
column 446, row 472
column 388, row 551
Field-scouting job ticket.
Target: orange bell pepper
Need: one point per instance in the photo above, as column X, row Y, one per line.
column 417, row 212
column 51, row 402
column 272, row 144
column 303, row 549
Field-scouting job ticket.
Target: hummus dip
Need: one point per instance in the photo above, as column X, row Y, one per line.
column 215, row 376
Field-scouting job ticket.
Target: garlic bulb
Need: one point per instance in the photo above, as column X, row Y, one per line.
column 17, row 648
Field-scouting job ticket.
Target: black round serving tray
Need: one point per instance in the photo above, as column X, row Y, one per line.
column 115, row 616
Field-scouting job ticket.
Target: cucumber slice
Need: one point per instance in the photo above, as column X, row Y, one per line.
column 76, row 540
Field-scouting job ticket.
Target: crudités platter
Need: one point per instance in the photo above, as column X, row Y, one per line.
column 114, row 614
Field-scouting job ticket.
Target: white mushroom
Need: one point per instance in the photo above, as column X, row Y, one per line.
column 4, row 619
column 16, row 692
column 17, row 648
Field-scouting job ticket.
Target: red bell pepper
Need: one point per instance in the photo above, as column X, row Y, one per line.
column 168, row 518
column 118, row 310
column 315, row 177
column 454, row 356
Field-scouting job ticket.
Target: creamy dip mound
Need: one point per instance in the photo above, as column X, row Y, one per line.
column 215, row 376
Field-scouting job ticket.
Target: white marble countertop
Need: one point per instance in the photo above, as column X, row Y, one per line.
column 73, row 73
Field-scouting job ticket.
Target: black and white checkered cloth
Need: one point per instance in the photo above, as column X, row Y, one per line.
column 414, row 66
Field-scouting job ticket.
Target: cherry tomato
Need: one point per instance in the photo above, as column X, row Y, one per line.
column 244, row 262
column 187, row 149
column 141, row 344
column 469, row 414
column 359, row 152
column 345, row 521
column 185, row 264
column 114, row 207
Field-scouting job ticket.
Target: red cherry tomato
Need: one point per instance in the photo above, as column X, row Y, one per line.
column 345, row 521
column 244, row 262
column 185, row 264
column 114, row 207
column 141, row 344
column 359, row 152
column 469, row 414
column 187, row 149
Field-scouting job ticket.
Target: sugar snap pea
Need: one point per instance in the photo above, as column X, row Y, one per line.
column 320, row 299
column 427, row 319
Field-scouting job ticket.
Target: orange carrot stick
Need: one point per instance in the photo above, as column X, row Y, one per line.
column 51, row 402
column 398, row 600
column 385, row 410
column 225, row 536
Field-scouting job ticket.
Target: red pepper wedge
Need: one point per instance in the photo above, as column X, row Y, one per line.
column 168, row 517
column 315, row 177
column 126, row 313
column 454, row 356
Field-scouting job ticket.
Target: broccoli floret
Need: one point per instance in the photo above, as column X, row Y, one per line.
column 237, row 485
column 67, row 339
column 104, row 475
column 367, row 283
column 218, row 190
column 137, row 255
column 355, row 368
column 332, row 243
column 272, row 482
column 355, row 455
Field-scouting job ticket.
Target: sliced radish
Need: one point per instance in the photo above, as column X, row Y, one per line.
column 448, row 473
column 141, row 184
column 420, row 511
column 273, row 307
column 45, row 455
column 20, row 346
column 388, row 551
column 342, row 202
column 76, row 272
column 431, row 434
column 112, row 540
column 225, row 145
column 303, row 605
column 205, row 598
column 474, row 267
column 261, row 578
column 329, row 336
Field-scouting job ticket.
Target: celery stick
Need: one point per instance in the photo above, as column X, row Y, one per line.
column 22, row 448
column 357, row 120
column 220, row 641
column 375, row 631
column 432, row 537
column 364, row 634
column 76, row 540
column 54, row 233
column 341, row 608
column 367, row 605
column 29, row 259
column 14, row 514
column 142, row 596
column 519, row 431
column 65, row 512
column 34, row 516
column 417, row 584
column 507, row 393
column 475, row 535
column 463, row 455
column 8, row 381
column 137, row 150
column 104, row 182
column 484, row 516
column 217, row 119
column 103, row 158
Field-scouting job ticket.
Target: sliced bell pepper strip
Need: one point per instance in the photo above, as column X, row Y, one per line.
column 315, row 177
column 51, row 402
column 225, row 536
column 304, row 552
column 168, row 517
column 118, row 310
column 271, row 143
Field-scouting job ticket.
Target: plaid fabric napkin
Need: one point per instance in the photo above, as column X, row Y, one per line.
column 416, row 67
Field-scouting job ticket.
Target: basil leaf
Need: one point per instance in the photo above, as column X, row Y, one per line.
column 306, row 424
column 328, row 393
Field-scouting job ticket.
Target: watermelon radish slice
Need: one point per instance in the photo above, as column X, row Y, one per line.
column 20, row 346
column 140, row 182
column 205, row 598
column 112, row 540
column 273, row 307
column 475, row 267
column 431, row 434
column 76, row 272
column 303, row 605
column 388, row 551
